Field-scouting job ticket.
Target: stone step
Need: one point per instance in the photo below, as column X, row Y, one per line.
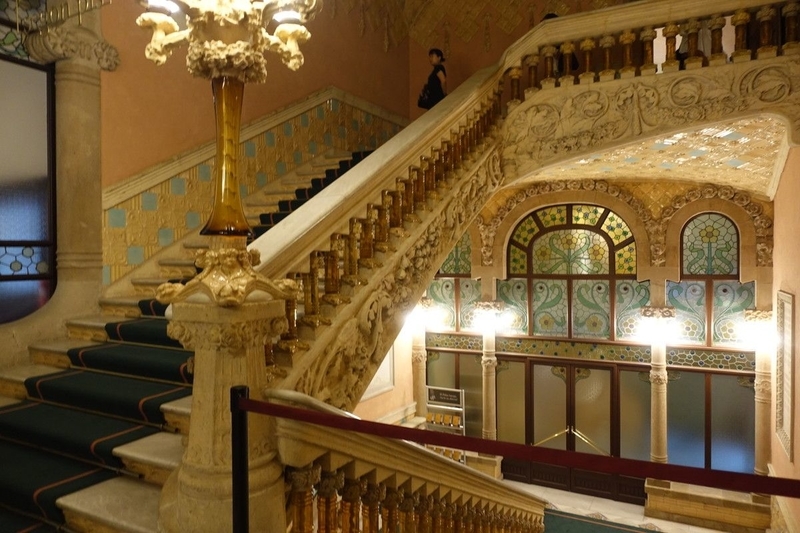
column 54, row 353
column 146, row 287
column 91, row 328
column 178, row 268
column 12, row 379
column 153, row 457
column 119, row 505
column 121, row 306
column 177, row 414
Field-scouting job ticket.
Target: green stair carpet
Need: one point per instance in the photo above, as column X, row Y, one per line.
column 66, row 431
column 143, row 330
column 168, row 364
column 15, row 523
column 560, row 522
column 32, row 480
column 132, row 398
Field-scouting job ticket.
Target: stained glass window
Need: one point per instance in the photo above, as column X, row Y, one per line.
column 459, row 260
column 470, row 295
column 575, row 260
column 710, row 246
column 514, row 295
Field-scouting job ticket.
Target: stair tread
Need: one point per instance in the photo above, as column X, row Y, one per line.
column 61, row 345
column 179, row 407
column 177, row 261
column 19, row 373
column 162, row 449
column 97, row 321
column 125, row 504
column 149, row 281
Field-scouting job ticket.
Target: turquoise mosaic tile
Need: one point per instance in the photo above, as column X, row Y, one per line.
column 204, row 172
column 149, row 201
column 355, row 125
column 327, row 139
column 269, row 139
column 312, row 147
column 166, row 236
column 106, row 274
column 342, row 132
column 335, row 106
column 304, row 120
column 320, row 112
column 135, row 255
column 280, row 168
column 261, row 179
column 116, row 218
column 717, row 359
column 297, row 156
column 288, row 129
column 177, row 186
column 192, row 219
column 249, row 149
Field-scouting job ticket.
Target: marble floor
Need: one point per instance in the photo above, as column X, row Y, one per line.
column 621, row 513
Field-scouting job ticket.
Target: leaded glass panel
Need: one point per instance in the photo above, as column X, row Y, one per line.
column 459, row 260
column 616, row 228
column 24, row 260
column 591, row 306
column 710, row 246
column 631, row 297
column 517, row 261
column 443, row 293
column 587, row 214
column 525, row 231
column 550, row 308
column 731, row 298
column 689, row 300
column 25, row 8
column 626, row 259
column 11, row 43
column 553, row 216
column 470, row 295
column 570, row 251
column 514, row 294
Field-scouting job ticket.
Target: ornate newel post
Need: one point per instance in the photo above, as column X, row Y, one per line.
column 762, row 336
column 658, row 321
column 228, row 313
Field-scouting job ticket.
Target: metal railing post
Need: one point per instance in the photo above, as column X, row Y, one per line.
column 239, row 462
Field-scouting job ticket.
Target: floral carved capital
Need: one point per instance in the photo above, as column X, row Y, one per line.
column 73, row 42
column 229, row 337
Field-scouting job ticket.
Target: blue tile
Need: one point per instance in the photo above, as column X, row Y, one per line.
column 288, row 129
column 631, row 160
column 204, row 172
column 177, row 186
column 335, row 106
column 312, row 147
column 659, row 146
column 342, row 132
column 117, row 218
column 280, row 168
column 698, row 153
column 667, row 165
column 243, row 190
column 249, row 149
column 328, row 138
column 298, row 158
column 166, row 236
column 735, row 163
column 368, row 118
column 149, row 201
column 320, row 113
column 135, row 255
column 304, row 120
column 261, row 179
column 106, row 275
column 269, row 138
column 733, row 136
column 356, row 125
column 373, row 142
column 192, row 219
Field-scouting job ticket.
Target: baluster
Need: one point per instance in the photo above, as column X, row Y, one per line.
column 514, row 75
column 498, row 98
column 647, row 36
column 396, row 216
column 458, row 517
column 448, row 517
column 671, row 64
column 532, row 62
column 549, row 80
column 303, row 481
column 408, row 515
column 330, row 483
column 447, row 158
column 437, row 518
column 291, row 318
column 351, row 504
column 382, row 243
column 409, row 210
column 607, row 42
column 791, row 44
column 353, row 252
column 587, row 47
column 423, row 512
column 694, row 59
column 718, row 56
column 416, row 175
column 436, row 164
column 371, row 499
column 463, row 135
column 389, row 510
column 628, row 69
column 455, row 146
column 741, row 52
column 766, row 48
column 567, row 49
column 333, row 280
column 367, row 257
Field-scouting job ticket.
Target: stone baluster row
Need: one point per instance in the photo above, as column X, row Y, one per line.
column 616, row 55
column 335, row 272
column 358, row 505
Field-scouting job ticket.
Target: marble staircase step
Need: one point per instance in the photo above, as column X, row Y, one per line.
column 146, row 287
column 54, row 353
column 153, row 457
column 12, row 379
column 119, row 505
column 177, row 413
column 178, row 268
column 91, row 328
column 121, row 306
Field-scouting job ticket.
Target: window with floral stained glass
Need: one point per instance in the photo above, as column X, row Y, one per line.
column 709, row 300
column 571, row 273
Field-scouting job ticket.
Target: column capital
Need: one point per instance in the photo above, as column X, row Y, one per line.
column 330, row 483
column 304, row 479
column 659, row 377
column 71, row 42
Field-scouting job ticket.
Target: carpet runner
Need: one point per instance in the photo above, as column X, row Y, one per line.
column 168, row 364
column 561, row 522
column 15, row 523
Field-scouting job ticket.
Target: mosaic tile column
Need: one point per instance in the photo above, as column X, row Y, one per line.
column 762, row 329
column 661, row 316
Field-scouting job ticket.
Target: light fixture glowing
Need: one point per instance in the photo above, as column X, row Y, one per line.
column 287, row 15
column 163, row 5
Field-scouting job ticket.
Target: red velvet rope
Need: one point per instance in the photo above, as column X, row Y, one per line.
column 595, row 463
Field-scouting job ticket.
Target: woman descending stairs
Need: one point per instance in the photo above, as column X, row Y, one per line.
column 92, row 428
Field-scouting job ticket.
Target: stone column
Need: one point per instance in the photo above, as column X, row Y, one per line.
column 660, row 319
column 488, row 314
column 419, row 357
column 762, row 332
column 79, row 54
column 225, row 314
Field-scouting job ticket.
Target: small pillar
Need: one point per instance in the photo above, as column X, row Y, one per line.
column 762, row 336
column 487, row 315
column 741, row 52
column 659, row 319
column 419, row 357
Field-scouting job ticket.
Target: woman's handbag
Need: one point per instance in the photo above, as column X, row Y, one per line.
column 424, row 99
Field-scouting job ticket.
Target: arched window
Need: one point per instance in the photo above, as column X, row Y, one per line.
column 709, row 300
column 572, row 269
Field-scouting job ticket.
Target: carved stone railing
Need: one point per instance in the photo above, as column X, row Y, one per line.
column 367, row 246
column 357, row 478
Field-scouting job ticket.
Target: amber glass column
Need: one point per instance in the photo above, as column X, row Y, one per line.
column 227, row 215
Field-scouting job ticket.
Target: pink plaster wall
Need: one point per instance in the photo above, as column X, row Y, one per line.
column 786, row 259
column 151, row 114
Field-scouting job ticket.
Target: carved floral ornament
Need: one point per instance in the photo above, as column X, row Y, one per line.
column 71, row 42
column 341, row 373
column 656, row 227
column 573, row 120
